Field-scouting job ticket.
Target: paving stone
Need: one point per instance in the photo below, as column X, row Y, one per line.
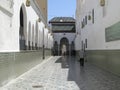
column 53, row 74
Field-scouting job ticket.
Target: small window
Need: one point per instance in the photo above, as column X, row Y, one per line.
column 86, row 20
column 93, row 16
column 86, row 43
column 82, row 45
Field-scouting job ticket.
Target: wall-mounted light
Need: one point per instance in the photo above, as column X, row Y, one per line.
column 45, row 26
column 27, row 3
column 102, row 3
column 89, row 17
column 39, row 20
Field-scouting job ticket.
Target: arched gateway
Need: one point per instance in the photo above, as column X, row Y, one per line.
column 23, row 28
column 64, row 41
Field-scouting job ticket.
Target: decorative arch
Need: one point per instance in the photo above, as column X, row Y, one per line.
column 64, row 41
column 23, row 28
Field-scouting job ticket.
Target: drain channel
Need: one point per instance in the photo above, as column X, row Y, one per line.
column 37, row 86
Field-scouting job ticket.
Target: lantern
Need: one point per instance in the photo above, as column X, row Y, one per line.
column 27, row 3
column 102, row 3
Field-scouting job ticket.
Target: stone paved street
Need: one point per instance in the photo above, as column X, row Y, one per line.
column 65, row 74
column 47, row 76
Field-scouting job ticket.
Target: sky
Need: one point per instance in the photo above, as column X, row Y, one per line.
column 61, row 8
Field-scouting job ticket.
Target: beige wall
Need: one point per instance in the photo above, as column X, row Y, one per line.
column 43, row 6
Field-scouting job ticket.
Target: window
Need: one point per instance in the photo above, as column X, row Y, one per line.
column 86, row 43
column 93, row 16
column 86, row 20
column 82, row 45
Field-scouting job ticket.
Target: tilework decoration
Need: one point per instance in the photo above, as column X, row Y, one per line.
column 112, row 33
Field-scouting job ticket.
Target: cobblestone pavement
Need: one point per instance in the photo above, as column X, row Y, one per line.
column 47, row 76
column 65, row 74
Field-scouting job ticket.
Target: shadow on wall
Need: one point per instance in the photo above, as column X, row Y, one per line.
column 106, row 59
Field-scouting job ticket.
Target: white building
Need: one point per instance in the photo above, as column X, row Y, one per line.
column 63, row 29
column 98, row 23
column 24, row 37
column 22, row 24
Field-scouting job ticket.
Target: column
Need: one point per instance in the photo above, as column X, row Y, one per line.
column 69, row 49
column 58, row 49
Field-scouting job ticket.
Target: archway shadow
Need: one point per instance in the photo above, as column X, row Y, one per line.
column 63, row 61
column 73, row 66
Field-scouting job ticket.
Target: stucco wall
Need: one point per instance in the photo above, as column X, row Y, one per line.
column 10, row 25
column 103, row 18
column 99, row 52
column 6, row 14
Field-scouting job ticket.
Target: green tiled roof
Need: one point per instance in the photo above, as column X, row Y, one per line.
column 63, row 28
column 62, row 19
column 69, row 28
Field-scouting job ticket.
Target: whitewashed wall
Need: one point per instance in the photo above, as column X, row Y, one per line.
column 112, row 17
column 78, row 43
column 103, row 17
column 10, row 23
column 6, row 32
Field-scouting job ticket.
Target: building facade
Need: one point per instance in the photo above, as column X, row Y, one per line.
column 63, row 29
column 97, row 22
column 25, row 39
column 22, row 24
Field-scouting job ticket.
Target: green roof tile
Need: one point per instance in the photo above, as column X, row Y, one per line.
column 62, row 19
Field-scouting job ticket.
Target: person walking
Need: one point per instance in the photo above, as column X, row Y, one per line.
column 64, row 50
column 82, row 58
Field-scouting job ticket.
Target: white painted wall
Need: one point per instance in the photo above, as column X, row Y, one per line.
column 10, row 23
column 95, row 33
column 77, row 42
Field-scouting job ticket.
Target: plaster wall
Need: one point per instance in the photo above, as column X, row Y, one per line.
column 103, row 18
column 10, row 25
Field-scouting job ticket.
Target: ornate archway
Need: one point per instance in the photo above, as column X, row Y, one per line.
column 64, row 41
column 23, row 28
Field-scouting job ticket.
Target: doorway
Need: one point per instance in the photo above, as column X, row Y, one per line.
column 64, row 41
column 21, row 31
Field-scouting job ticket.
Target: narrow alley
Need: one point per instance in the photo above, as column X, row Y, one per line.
column 65, row 73
column 59, row 45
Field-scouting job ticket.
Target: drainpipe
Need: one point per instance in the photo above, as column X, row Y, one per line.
column 43, row 46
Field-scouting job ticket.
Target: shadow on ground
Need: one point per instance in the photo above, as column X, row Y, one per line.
column 74, row 68
column 89, row 77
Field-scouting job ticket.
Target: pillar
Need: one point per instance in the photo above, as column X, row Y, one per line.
column 69, row 49
column 58, row 49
